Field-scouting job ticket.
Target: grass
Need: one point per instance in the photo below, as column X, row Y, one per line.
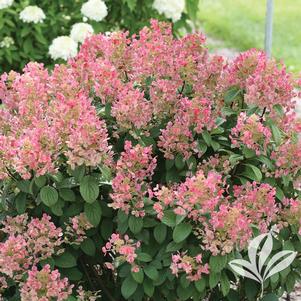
column 240, row 24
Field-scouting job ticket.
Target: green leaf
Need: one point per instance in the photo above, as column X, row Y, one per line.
column 192, row 163
column 214, row 279
column 217, row 263
column 93, row 213
column 66, row 260
column 252, row 172
column 78, row 173
column 169, row 218
column 89, row 189
column 207, row 137
column 181, row 232
column 67, row 195
column 49, row 195
column 138, row 276
column 270, row 297
column 172, row 246
column 21, row 202
column 151, row 272
column 144, row 257
column 202, row 147
column 40, row 181
column 184, row 281
column 231, row 95
column 249, row 153
column 135, row 224
column 276, row 133
column 160, row 232
column 179, row 161
column 200, row 285
column 88, row 246
column 73, row 274
column 225, row 284
column 184, row 293
column 148, row 287
column 128, row 287
column 24, row 186
column 169, row 164
column 57, row 208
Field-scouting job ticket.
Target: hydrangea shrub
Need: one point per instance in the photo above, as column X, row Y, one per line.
column 51, row 31
column 140, row 168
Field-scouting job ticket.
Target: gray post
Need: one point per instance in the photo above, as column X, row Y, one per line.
column 268, row 28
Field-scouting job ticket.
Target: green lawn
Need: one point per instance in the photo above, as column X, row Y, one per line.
column 240, row 24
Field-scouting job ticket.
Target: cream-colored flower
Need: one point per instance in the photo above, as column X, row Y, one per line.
column 32, row 14
column 172, row 9
column 7, row 42
column 6, row 3
column 95, row 10
column 63, row 47
column 80, row 31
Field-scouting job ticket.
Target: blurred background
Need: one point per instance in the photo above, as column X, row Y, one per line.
column 236, row 25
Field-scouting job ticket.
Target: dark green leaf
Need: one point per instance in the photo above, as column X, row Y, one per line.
column 151, row 272
column 169, row 218
column 135, row 224
column 88, row 246
column 89, row 189
column 179, row 161
column 40, row 181
column 217, row 263
column 181, row 232
column 138, row 276
column 144, row 257
column 49, row 195
column 67, row 195
column 200, row 285
column 21, row 202
column 93, row 213
column 128, row 287
column 160, row 232
column 270, row 297
column 66, row 260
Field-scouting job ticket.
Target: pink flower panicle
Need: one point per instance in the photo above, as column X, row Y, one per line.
column 250, row 132
column 291, row 213
column 75, row 232
column 265, row 83
column 230, row 224
column 130, row 187
column 121, row 249
column 28, row 243
column 193, row 267
column 195, row 197
column 45, row 285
